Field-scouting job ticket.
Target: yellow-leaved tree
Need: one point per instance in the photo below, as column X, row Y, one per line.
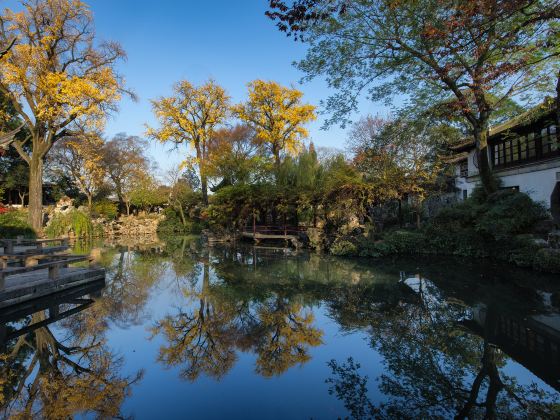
column 190, row 116
column 55, row 76
column 277, row 115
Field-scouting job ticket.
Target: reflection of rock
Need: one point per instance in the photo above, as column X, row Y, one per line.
column 148, row 242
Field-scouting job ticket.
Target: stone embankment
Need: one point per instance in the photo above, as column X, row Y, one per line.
column 130, row 225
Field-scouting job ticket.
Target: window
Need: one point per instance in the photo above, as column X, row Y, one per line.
column 515, row 149
column 549, row 140
column 527, row 147
column 464, row 169
column 531, row 145
column 545, row 141
column 512, row 188
column 523, row 148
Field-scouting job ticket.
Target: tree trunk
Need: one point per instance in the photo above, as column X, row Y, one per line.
column 558, row 109
column 276, row 154
column 35, row 215
column 182, row 214
column 314, row 216
column 201, row 171
column 22, row 198
column 204, row 186
column 127, row 204
column 90, row 201
column 484, row 170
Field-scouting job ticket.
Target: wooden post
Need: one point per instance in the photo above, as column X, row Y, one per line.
column 2, row 280
column 9, row 248
column 54, row 272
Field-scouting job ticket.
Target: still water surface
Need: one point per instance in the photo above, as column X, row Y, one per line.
column 180, row 330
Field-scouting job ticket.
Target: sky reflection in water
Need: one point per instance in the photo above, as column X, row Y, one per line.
column 183, row 330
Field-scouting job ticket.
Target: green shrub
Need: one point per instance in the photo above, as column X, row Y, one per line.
column 486, row 228
column 14, row 223
column 405, row 242
column 397, row 242
column 173, row 224
column 106, row 209
column 483, row 226
column 343, row 247
column 507, row 213
column 75, row 221
column 547, row 260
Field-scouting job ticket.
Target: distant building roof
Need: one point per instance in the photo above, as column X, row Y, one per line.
column 456, row 158
column 463, row 145
column 529, row 117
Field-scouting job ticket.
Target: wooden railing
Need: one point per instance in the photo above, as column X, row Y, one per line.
column 53, row 267
column 275, row 230
column 31, row 245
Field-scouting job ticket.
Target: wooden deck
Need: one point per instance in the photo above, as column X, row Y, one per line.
column 31, row 270
column 36, row 284
column 59, row 305
column 282, row 233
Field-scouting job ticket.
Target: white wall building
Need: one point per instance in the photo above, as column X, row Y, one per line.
column 524, row 153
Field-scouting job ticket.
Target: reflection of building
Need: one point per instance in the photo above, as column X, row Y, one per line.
column 74, row 300
column 532, row 341
column 524, row 153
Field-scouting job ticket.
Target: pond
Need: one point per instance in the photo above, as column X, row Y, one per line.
column 184, row 330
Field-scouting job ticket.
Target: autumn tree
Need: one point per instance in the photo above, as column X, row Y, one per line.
column 125, row 162
column 190, row 117
column 277, row 114
column 431, row 49
column 81, row 158
column 182, row 197
column 234, row 155
column 147, row 193
column 55, row 75
column 399, row 156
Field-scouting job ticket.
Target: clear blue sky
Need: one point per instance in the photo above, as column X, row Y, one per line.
column 230, row 41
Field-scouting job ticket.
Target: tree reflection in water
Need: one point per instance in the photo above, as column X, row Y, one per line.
column 434, row 368
column 44, row 377
column 216, row 320
column 440, row 344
